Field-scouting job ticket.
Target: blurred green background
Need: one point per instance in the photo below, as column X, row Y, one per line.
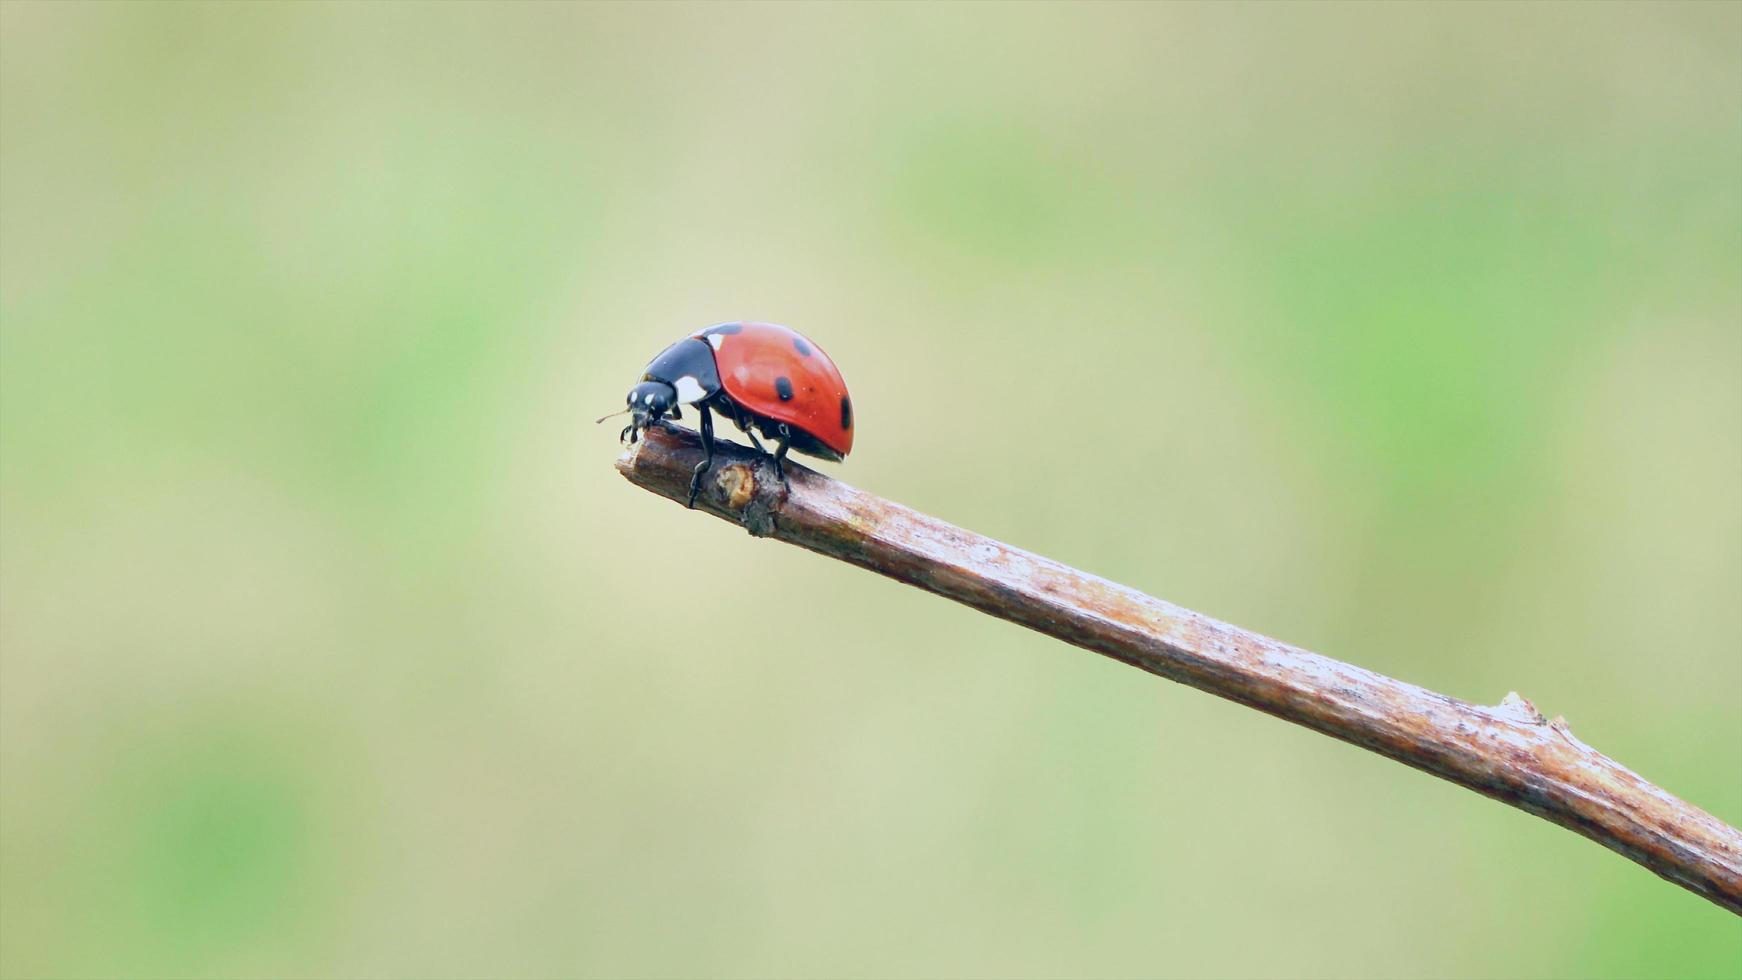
column 333, row 645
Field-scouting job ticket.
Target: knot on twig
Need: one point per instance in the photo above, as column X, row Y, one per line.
column 1515, row 708
column 739, row 484
column 1520, row 711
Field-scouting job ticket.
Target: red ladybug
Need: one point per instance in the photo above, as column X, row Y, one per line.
column 759, row 375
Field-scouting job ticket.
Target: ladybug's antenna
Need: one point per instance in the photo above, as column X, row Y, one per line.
column 602, row 418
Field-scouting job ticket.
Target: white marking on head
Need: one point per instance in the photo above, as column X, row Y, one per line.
column 649, row 399
column 689, row 390
column 718, row 340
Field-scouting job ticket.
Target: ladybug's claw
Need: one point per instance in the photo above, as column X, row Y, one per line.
column 707, row 459
column 696, row 482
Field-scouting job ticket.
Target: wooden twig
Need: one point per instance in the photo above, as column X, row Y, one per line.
column 1509, row 752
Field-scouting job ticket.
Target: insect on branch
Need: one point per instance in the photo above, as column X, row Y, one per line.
column 1509, row 751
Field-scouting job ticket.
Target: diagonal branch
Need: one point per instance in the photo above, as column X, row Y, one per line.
column 1509, row 752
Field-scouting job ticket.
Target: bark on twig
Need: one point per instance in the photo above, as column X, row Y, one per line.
column 1509, row 752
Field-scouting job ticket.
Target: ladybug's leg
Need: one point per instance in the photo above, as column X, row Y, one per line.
column 780, row 452
column 748, row 429
column 707, row 460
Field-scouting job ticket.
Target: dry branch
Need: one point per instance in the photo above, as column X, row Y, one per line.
column 1509, row 752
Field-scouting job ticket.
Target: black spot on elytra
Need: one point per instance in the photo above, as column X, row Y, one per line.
column 783, row 388
column 723, row 328
column 803, row 348
column 846, row 412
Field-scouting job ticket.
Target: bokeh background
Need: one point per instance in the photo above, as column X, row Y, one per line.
column 333, row 645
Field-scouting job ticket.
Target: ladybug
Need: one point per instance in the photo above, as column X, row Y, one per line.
column 758, row 375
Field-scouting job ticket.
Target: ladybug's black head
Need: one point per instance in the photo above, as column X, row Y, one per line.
column 649, row 402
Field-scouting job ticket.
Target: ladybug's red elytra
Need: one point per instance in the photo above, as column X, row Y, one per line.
column 759, row 375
